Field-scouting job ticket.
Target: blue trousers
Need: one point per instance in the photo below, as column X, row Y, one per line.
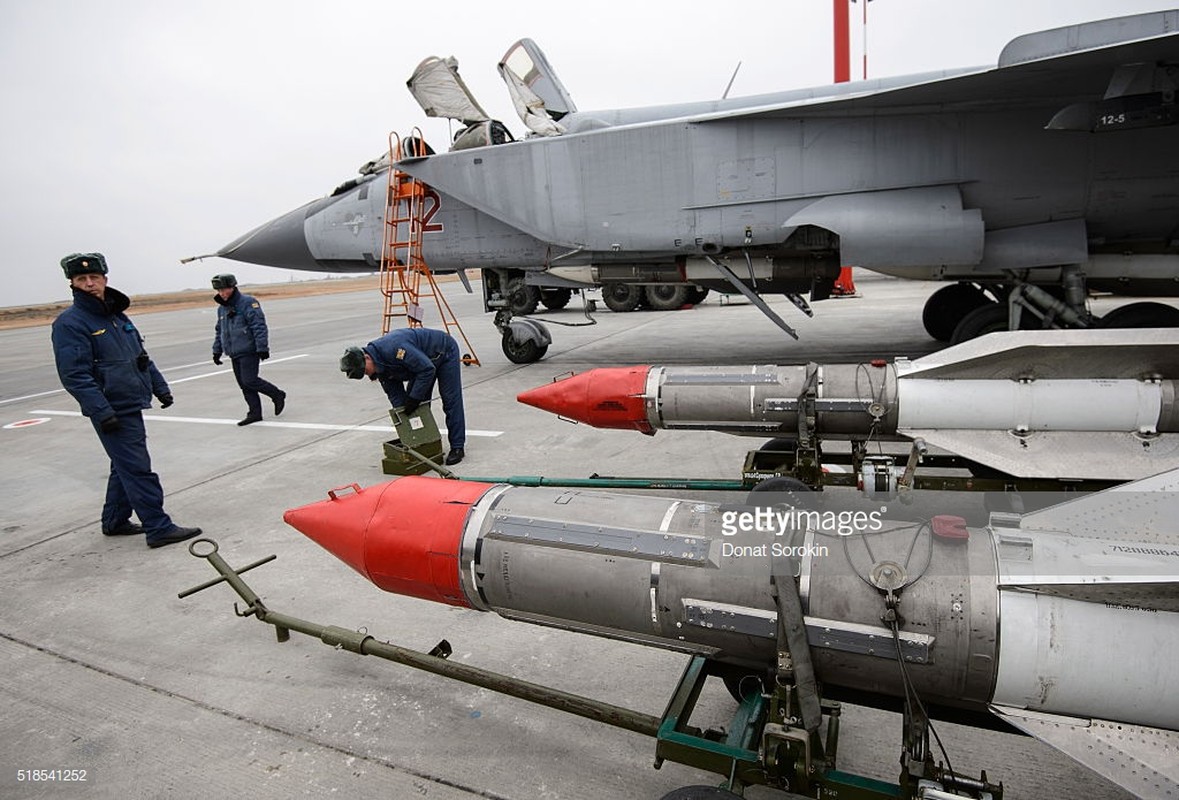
column 245, row 371
column 132, row 486
column 449, row 372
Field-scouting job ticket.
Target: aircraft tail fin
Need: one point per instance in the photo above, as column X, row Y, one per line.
column 1088, row 36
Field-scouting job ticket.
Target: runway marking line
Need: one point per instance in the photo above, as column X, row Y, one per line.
column 169, row 369
column 306, row 426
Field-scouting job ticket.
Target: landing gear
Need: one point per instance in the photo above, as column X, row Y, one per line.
column 982, row 320
column 522, row 298
column 1141, row 315
column 524, row 341
column 555, row 299
column 964, row 311
column 621, row 296
column 946, row 307
column 657, row 297
column 666, row 297
column 523, row 350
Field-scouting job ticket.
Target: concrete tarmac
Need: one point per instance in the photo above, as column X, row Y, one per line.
column 105, row 670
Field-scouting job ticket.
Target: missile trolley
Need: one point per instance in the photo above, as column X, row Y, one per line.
column 1029, row 619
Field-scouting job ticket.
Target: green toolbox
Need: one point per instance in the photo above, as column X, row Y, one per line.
column 417, row 437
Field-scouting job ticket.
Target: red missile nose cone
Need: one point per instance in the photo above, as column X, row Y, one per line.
column 405, row 535
column 611, row 397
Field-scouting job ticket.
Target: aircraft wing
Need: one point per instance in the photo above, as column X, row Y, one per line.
column 1065, row 64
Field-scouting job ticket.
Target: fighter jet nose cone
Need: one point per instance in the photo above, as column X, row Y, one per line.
column 405, row 535
column 611, row 397
column 281, row 242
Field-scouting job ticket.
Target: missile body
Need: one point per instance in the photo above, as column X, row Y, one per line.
column 1096, row 404
column 1021, row 614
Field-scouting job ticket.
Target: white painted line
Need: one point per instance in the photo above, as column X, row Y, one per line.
column 169, row 369
column 30, row 396
column 305, row 426
column 223, row 371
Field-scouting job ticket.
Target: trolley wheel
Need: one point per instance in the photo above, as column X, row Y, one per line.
column 699, row 793
column 782, row 485
column 742, row 684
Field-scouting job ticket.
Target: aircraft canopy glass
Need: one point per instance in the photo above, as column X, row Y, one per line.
column 537, row 93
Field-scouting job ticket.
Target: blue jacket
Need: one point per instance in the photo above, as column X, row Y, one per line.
column 100, row 357
column 241, row 326
column 409, row 356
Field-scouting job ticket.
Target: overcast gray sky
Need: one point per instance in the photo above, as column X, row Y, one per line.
column 152, row 130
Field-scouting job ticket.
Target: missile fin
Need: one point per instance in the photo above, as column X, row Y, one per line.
column 1142, row 760
column 1093, row 353
column 1142, row 511
column 1081, row 455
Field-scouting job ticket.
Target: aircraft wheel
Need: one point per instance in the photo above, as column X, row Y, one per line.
column 555, row 299
column 525, row 351
column 699, row 793
column 988, row 319
column 1141, row 315
column 522, row 298
column 696, row 295
column 666, row 297
column 621, row 296
column 946, row 307
column 984, row 319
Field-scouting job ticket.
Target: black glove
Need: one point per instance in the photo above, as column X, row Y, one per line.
column 166, row 400
column 110, row 424
column 217, row 360
column 411, row 405
column 263, row 354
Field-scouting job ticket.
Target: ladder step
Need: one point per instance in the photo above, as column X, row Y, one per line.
column 402, row 264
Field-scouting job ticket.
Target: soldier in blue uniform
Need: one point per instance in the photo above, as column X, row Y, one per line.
column 407, row 362
column 242, row 335
column 102, row 363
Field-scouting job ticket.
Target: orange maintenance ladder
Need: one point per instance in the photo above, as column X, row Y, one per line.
column 403, row 267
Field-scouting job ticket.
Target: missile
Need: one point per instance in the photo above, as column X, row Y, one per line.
column 1064, row 621
column 1097, row 404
